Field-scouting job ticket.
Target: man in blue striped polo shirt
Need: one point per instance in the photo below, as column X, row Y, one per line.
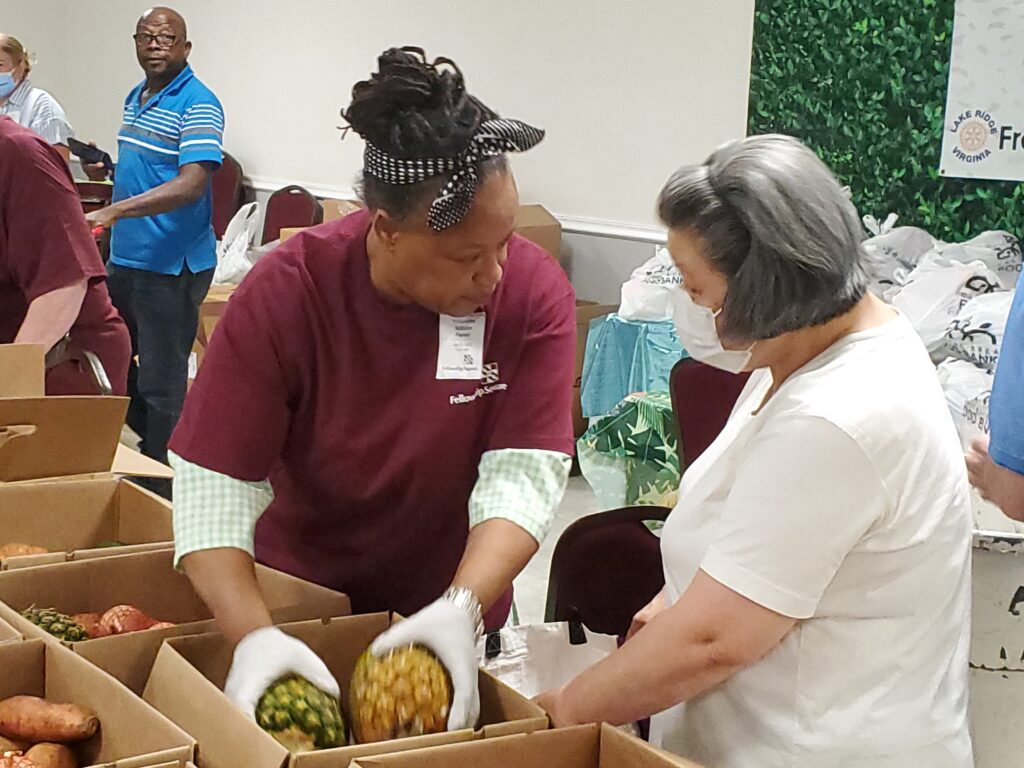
column 163, row 249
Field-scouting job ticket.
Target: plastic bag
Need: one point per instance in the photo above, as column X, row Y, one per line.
column 937, row 290
column 976, row 333
column 233, row 261
column 623, row 357
column 647, row 293
column 968, row 389
column 632, row 455
column 535, row 658
column 997, row 250
column 894, row 252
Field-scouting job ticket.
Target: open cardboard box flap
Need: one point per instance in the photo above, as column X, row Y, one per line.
column 73, row 517
column 9, row 634
column 189, row 674
column 46, row 437
column 585, row 746
column 148, row 581
column 132, row 734
column 22, row 370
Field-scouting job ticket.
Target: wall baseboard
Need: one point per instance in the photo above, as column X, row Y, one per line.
column 571, row 224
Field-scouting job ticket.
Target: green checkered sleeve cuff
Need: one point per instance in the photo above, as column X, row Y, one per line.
column 522, row 486
column 213, row 510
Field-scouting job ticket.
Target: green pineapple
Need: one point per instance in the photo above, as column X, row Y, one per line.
column 301, row 716
column 57, row 624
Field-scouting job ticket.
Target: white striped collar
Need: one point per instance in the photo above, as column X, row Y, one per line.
column 20, row 94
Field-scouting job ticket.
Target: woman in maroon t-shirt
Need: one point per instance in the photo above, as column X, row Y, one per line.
column 386, row 397
column 52, row 281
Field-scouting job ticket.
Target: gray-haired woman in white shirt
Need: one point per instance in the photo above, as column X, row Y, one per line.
column 27, row 105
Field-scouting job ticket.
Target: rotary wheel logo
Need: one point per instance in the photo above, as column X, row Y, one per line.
column 973, row 135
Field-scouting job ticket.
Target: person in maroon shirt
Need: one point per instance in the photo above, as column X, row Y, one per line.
column 52, row 280
column 403, row 380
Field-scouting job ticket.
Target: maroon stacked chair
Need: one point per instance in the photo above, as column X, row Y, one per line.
column 607, row 566
column 292, row 206
column 227, row 193
column 702, row 398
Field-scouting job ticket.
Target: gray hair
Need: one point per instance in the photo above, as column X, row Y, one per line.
column 778, row 225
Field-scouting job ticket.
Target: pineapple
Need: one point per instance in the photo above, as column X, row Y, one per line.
column 408, row 692
column 300, row 716
column 57, row 624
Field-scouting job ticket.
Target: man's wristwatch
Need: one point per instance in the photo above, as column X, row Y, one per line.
column 464, row 598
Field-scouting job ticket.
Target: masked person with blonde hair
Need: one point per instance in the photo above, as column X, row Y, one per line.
column 27, row 105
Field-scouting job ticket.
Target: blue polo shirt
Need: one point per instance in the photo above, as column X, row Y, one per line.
column 1006, row 406
column 183, row 123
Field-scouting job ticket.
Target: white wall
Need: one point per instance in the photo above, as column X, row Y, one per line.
column 627, row 90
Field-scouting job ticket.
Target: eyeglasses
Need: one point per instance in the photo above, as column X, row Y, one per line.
column 143, row 39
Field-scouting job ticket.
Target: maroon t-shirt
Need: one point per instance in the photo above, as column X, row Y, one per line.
column 45, row 244
column 316, row 380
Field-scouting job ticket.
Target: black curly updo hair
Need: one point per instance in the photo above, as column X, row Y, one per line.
column 412, row 108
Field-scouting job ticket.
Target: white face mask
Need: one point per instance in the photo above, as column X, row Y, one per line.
column 698, row 333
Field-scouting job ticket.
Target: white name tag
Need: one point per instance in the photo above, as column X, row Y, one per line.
column 460, row 348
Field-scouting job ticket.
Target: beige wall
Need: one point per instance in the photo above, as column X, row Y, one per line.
column 627, row 90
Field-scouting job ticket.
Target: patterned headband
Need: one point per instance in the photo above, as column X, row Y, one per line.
column 493, row 138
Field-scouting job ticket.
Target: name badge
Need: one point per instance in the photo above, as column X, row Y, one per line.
column 460, row 348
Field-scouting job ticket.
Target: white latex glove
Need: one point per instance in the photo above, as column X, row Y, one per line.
column 448, row 631
column 266, row 655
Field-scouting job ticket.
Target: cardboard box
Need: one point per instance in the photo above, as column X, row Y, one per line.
column 132, row 734
column 188, row 679
column 535, row 223
column 338, row 209
column 586, row 311
column 47, row 437
column 210, row 312
column 288, row 232
column 149, row 581
column 22, row 370
column 9, row 634
column 585, row 746
column 51, row 437
column 71, row 517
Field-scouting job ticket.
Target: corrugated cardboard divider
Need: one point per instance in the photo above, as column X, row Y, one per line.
column 132, row 734
column 585, row 746
column 22, row 370
column 148, row 581
column 71, row 517
column 189, row 674
column 58, row 436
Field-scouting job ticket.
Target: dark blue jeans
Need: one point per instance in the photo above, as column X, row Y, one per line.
column 162, row 314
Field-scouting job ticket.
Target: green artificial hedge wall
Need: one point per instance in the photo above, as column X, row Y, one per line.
column 864, row 83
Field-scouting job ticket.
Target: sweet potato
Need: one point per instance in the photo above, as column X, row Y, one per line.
column 9, row 745
column 125, row 618
column 18, row 550
column 49, row 755
column 28, row 718
column 91, row 622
